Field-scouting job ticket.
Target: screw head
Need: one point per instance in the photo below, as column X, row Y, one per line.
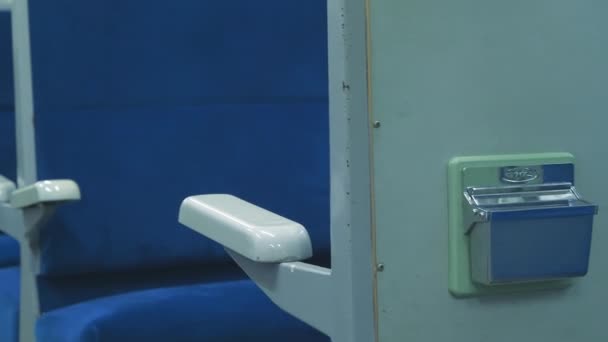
column 377, row 124
column 380, row 267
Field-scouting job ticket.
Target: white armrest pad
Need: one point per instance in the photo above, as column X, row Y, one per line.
column 6, row 5
column 244, row 228
column 45, row 191
column 7, row 187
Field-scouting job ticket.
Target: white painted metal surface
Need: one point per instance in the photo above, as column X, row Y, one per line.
column 249, row 230
column 340, row 301
column 5, row 5
column 352, row 261
column 7, row 187
column 24, row 225
column 264, row 244
column 45, row 191
column 482, row 77
column 260, row 242
column 32, row 203
column 24, row 97
column 303, row 290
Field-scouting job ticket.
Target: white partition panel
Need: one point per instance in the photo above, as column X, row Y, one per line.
column 479, row 77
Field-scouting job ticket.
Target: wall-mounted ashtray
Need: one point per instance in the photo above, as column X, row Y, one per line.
column 527, row 233
column 516, row 221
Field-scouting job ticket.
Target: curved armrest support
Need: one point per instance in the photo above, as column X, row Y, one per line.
column 45, row 192
column 253, row 232
column 7, row 187
column 268, row 248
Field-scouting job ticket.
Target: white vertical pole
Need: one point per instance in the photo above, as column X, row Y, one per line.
column 351, row 206
column 24, row 97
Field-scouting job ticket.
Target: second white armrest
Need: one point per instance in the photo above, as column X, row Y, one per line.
column 7, row 187
column 45, row 191
column 253, row 232
column 6, row 5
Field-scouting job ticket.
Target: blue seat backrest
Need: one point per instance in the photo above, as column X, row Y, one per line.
column 7, row 119
column 8, row 248
column 7, row 144
column 144, row 104
column 6, row 63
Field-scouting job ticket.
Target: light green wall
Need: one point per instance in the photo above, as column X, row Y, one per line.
column 473, row 77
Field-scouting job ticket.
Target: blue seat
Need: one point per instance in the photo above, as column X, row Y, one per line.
column 6, row 81
column 144, row 105
column 9, row 251
column 9, row 303
column 9, row 248
column 227, row 311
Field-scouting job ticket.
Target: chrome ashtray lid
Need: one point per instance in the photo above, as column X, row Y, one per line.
column 527, row 233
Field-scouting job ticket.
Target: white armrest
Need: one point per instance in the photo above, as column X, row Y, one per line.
column 7, row 187
column 253, row 232
column 6, row 5
column 45, row 191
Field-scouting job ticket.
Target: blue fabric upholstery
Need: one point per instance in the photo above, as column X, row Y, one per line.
column 9, row 304
column 209, row 96
column 9, row 251
column 8, row 165
column 60, row 291
column 130, row 53
column 227, row 312
column 144, row 104
column 9, row 248
column 135, row 166
column 6, row 64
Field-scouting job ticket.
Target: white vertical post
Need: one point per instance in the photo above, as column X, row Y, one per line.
column 351, row 206
column 24, row 97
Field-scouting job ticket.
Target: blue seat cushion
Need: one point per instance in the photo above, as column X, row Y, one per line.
column 215, row 312
column 9, row 304
column 9, row 251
